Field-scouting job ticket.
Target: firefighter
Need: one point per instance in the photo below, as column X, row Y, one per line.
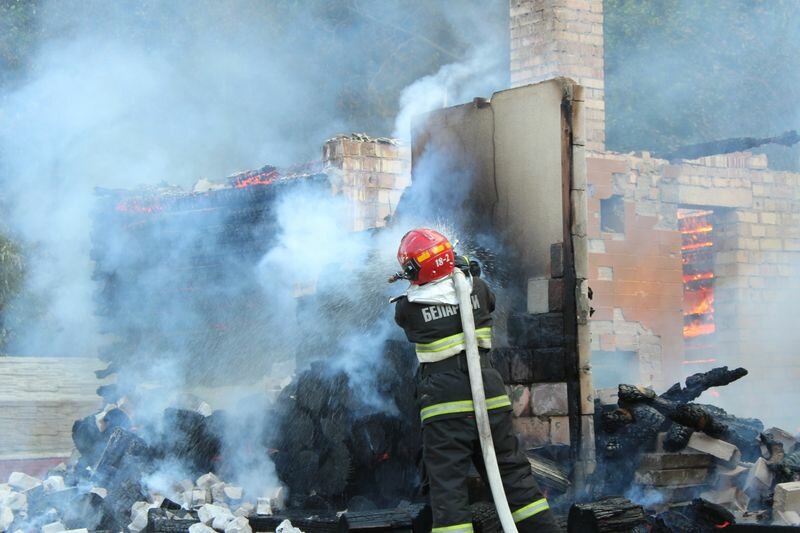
column 429, row 315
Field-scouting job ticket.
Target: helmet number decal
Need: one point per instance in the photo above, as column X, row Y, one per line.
column 439, row 261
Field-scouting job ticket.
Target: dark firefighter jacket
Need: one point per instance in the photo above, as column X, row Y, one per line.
column 436, row 331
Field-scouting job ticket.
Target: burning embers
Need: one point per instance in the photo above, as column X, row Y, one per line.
column 697, row 249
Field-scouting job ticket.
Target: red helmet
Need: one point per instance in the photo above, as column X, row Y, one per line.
column 425, row 255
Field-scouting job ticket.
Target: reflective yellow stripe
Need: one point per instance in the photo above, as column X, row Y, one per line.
column 483, row 332
column 441, row 344
column 458, row 528
column 529, row 510
column 484, row 336
column 461, row 406
column 453, row 340
column 497, row 402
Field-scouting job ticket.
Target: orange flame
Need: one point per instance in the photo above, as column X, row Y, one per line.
column 698, row 298
column 688, row 278
column 262, row 178
column 695, row 329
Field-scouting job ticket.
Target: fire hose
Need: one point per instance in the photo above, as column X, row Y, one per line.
column 463, row 292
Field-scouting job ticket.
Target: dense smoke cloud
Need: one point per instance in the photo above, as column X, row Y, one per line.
column 118, row 96
column 121, row 96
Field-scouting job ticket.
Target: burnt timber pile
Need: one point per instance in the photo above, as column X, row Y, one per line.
column 665, row 464
column 690, row 465
column 330, row 451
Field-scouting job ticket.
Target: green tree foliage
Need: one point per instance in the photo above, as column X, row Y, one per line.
column 686, row 71
column 12, row 270
column 19, row 32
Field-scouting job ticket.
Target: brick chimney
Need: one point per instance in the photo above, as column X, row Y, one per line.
column 553, row 38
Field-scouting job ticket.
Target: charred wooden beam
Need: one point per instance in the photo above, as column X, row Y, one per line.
column 690, row 415
column 696, row 384
column 606, row 515
column 414, row 518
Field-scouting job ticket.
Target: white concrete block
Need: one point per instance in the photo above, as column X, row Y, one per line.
column 233, row 493
column 221, row 521
column 53, row 483
column 184, row 485
column 287, row 527
column 138, row 523
column 139, row 516
column 6, row 518
column 719, row 449
column 206, row 481
column 246, row 509
column 787, row 497
column 278, row 500
column 218, row 492
column 239, row 525
column 199, row 497
column 759, row 478
column 16, row 501
column 209, row 512
column 785, row 518
column 53, row 527
column 264, row 506
column 538, row 295
column 100, row 491
column 139, row 506
column 21, row 481
column 200, row 528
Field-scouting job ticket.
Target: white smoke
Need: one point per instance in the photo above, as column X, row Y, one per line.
column 478, row 75
column 117, row 99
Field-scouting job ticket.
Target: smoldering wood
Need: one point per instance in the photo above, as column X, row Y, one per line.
column 192, row 438
column 606, row 515
column 622, row 435
column 317, row 522
column 690, row 415
column 709, row 419
column 699, row 515
column 164, row 521
column 698, row 383
column 330, row 446
column 677, row 437
column 414, row 518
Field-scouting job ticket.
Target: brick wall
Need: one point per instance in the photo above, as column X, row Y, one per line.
column 40, row 398
column 370, row 172
column 554, row 38
column 636, row 273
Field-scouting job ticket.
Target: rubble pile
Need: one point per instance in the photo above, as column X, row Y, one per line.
column 687, row 463
column 331, row 451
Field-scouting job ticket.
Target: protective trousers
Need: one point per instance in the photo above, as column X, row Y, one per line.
column 448, row 446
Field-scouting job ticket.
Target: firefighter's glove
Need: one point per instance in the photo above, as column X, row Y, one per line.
column 463, row 263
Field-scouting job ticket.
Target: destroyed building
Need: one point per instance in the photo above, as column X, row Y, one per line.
column 674, row 260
